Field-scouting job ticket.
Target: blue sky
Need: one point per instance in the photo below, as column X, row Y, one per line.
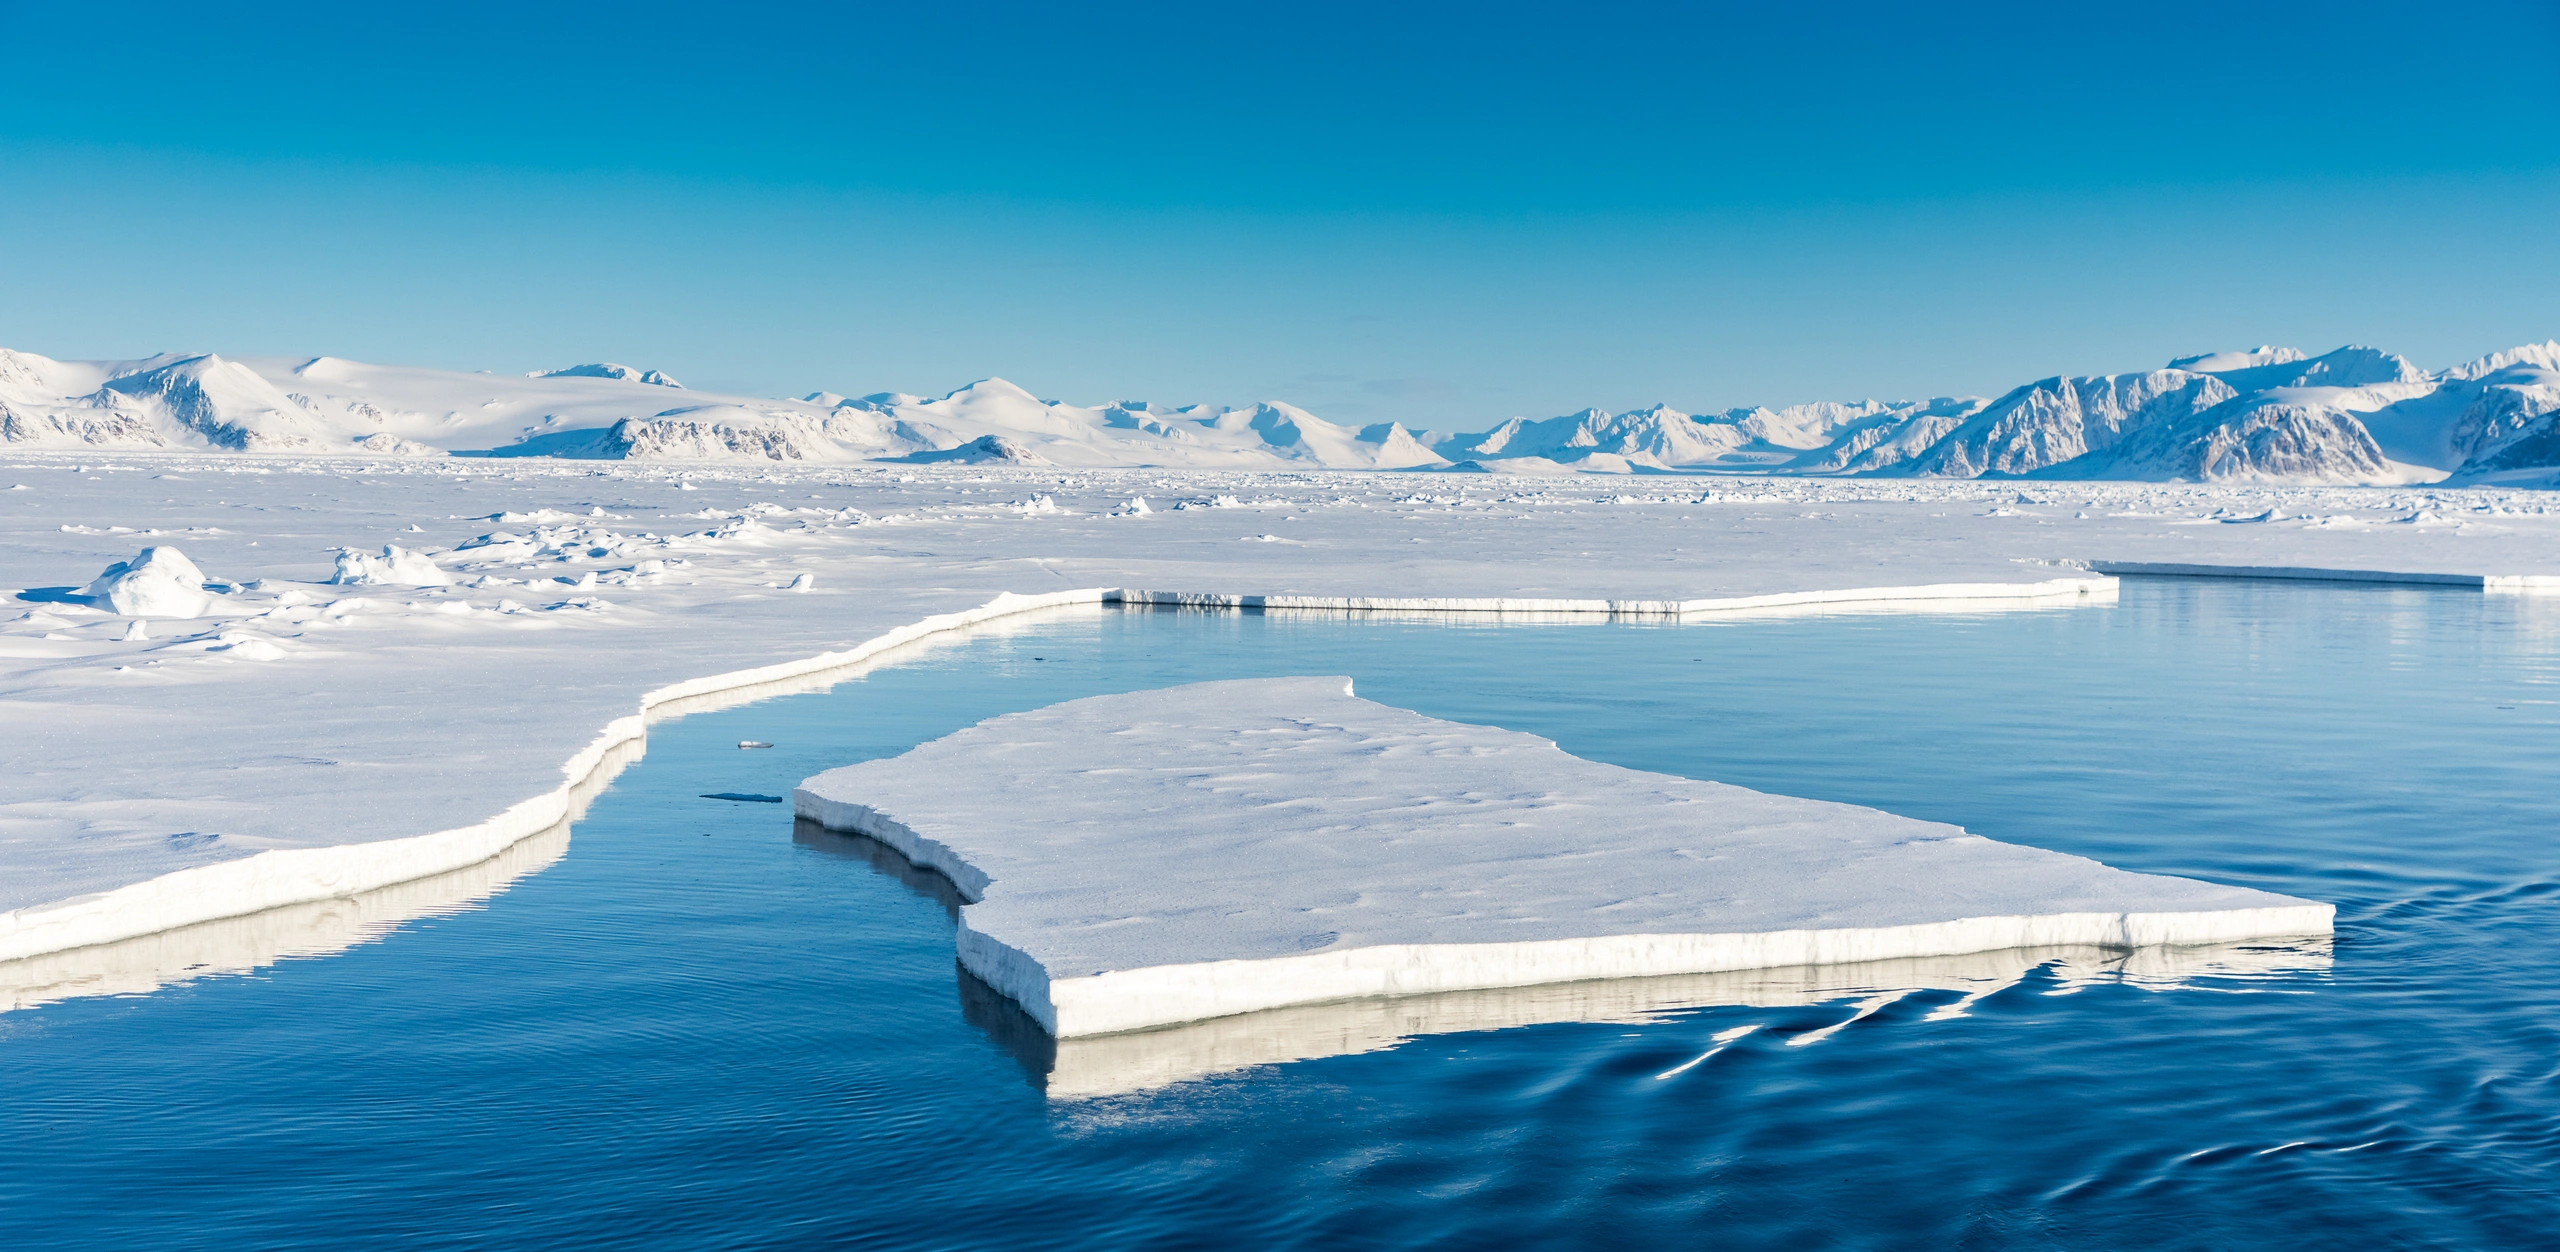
column 1441, row 213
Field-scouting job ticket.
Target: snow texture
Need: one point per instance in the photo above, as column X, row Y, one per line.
column 298, row 740
column 1133, row 861
column 2354, row 415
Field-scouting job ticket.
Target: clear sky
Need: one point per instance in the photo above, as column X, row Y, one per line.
column 1446, row 214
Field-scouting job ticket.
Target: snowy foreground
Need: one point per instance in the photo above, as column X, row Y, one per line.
column 391, row 669
column 1143, row 860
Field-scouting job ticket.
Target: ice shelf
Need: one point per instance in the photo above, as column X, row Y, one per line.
column 1170, row 856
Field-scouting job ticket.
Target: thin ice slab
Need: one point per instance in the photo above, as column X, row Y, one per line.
column 1170, row 856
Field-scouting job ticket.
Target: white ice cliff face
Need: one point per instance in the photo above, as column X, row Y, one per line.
column 2270, row 414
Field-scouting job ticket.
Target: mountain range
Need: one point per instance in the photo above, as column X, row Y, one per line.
column 2355, row 415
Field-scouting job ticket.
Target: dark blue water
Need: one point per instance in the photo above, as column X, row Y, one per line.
column 696, row 1031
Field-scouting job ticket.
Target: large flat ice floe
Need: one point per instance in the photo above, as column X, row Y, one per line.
column 1170, row 856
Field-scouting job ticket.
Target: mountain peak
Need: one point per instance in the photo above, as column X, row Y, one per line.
column 991, row 387
column 2224, row 362
column 607, row 369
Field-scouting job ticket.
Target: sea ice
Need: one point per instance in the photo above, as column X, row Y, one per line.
column 493, row 706
column 1168, row 856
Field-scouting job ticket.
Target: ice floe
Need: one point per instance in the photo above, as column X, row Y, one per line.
column 1143, row 860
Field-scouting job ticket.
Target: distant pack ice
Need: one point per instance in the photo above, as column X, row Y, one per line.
column 1141, row 860
column 2355, row 415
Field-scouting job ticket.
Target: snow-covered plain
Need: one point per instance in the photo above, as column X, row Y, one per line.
column 1142, row 860
column 308, row 739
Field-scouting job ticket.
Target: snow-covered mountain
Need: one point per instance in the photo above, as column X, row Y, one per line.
column 2355, row 415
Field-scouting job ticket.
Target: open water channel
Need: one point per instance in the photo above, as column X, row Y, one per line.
column 682, row 1023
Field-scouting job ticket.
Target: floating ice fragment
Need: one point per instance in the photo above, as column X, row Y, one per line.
column 753, row 743
column 748, row 796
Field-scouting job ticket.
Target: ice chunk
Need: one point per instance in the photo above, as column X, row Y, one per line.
column 1168, row 856
column 396, row 566
column 160, row 582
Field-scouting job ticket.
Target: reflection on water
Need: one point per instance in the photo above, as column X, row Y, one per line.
column 1101, row 1065
column 242, row 945
column 253, row 941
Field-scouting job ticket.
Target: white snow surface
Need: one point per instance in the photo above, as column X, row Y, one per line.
column 2353, row 415
column 298, row 740
column 1140, row 860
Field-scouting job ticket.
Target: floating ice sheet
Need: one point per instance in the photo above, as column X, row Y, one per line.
column 1171, row 856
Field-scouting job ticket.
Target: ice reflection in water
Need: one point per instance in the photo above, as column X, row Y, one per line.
column 254, row 941
column 242, row 945
column 1102, row 1065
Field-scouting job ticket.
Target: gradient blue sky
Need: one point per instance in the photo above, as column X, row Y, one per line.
column 1446, row 214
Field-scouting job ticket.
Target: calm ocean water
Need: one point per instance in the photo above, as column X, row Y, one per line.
column 699, row 1028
